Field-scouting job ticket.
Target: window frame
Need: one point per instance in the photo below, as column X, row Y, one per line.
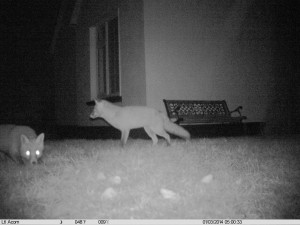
column 98, row 89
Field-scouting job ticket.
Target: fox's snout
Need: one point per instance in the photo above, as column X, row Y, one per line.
column 33, row 161
column 94, row 114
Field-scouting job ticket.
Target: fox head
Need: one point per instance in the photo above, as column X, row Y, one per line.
column 31, row 149
column 98, row 109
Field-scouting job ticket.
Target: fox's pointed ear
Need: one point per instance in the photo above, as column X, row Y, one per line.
column 24, row 139
column 40, row 138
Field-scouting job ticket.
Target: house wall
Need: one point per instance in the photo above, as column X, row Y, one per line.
column 228, row 50
column 189, row 49
column 65, row 77
column 92, row 13
column 132, row 52
column 132, row 60
column 208, row 50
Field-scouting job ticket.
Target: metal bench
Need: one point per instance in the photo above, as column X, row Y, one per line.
column 190, row 112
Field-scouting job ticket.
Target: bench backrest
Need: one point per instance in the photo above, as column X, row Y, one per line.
column 189, row 111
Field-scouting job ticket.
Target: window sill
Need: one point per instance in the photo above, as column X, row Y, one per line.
column 108, row 98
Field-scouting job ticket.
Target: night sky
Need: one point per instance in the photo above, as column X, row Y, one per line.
column 27, row 29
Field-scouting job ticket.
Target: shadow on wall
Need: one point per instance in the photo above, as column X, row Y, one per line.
column 284, row 111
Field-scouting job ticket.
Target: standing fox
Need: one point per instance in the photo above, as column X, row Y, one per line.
column 21, row 143
column 130, row 117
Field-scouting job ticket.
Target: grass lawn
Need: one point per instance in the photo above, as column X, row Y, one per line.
column 237, row 177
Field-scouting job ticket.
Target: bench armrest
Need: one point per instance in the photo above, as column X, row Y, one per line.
column 238, row 110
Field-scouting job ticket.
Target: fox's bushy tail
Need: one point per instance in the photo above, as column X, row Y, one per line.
column 175, row 129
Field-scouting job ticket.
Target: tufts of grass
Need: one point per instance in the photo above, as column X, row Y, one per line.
column 253, row 178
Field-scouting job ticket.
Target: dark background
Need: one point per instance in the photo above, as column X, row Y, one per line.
column 26, row 76
column 26, row 87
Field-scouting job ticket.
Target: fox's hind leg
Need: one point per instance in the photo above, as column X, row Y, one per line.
column 152, row 135
column 124, row 137
column 161, row 132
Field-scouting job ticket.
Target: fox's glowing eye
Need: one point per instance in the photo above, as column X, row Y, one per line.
column 27, row 153
column 37, row 152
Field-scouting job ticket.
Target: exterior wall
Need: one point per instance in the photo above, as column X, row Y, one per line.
column 132, row 52
column 207, row 50
column 213, row 50
column 132, row 63
column 185, row 49
column 93, row 12
column 64, row 62
column 284, row 110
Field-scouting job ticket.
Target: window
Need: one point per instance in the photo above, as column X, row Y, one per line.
column 104, row 59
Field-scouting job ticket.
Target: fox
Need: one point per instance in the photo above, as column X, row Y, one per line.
column 126, row 118
column 21, row 143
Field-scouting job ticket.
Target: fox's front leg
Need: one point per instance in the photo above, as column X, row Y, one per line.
column 124, row 137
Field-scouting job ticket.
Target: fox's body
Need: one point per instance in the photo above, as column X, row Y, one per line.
column 21, row 143
column 130, row 117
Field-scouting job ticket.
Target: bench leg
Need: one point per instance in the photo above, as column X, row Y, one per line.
column 245, row 129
